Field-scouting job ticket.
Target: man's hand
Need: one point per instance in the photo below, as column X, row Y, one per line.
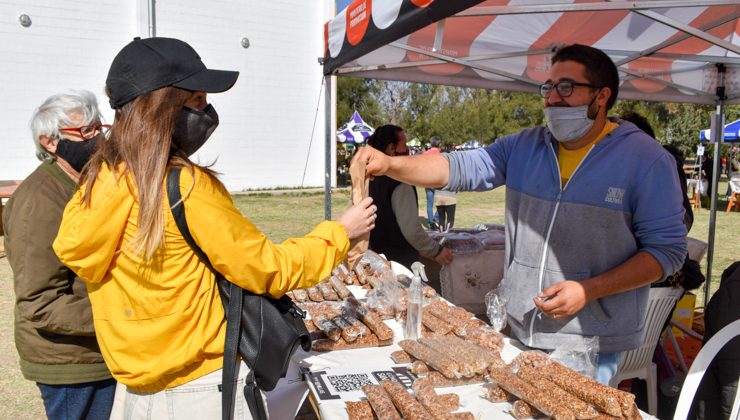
column 562, row 300
column 378, row 162
column 444, row 257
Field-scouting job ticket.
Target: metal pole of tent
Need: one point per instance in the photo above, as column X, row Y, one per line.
column 327, row 146
column 717, row 133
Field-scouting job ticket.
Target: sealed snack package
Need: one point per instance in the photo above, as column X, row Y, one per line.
column 342, row 273
column 373, row 269
column 578, row 354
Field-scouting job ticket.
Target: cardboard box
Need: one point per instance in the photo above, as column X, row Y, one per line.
column 684, row 313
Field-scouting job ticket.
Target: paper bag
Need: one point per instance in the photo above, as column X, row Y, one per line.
column 360, row 190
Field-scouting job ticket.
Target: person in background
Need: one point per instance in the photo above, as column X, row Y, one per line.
column 590, row 222
column 434, row 144
column 707, row 169
column 716, row 392
column 54, row 332
column 398, row 234
column 156, row 306
column 446, row 203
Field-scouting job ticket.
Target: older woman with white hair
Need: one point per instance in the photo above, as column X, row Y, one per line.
column 54, row 332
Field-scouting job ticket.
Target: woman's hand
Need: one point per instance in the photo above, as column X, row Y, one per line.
column 378, row 162
column 444, row 257
column 359, row 219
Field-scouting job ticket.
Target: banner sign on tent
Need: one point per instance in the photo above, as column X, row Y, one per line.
column 354, row 131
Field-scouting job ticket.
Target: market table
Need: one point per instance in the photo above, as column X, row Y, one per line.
column 346, row 368
column 329, row 379
column 7, row 188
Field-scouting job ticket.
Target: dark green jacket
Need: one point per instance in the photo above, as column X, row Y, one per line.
column 54, row 331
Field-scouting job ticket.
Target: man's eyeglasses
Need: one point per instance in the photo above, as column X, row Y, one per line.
column 564, row 88
column 89, row 131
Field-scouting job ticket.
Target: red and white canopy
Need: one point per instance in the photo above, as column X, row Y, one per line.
column 666, row 50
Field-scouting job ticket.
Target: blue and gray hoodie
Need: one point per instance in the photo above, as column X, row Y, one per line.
column 624, row 197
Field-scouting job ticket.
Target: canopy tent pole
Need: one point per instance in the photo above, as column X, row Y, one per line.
column 328, row 133
column 717, row 137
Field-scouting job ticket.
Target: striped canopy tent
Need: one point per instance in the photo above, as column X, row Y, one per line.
column 354, row 131
column 665, row 50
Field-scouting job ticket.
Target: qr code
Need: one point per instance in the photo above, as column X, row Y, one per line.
column 348, row 383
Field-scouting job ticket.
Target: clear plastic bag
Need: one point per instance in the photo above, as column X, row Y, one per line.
column 580, row 355
column 496, row 309
column 489, row 226
column 387, row 299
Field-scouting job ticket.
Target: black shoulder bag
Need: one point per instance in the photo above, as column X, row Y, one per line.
column 264, row 331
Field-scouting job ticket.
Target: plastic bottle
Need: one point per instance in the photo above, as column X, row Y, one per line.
column 412, row 329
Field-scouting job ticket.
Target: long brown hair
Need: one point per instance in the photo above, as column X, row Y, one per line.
column 140, row 147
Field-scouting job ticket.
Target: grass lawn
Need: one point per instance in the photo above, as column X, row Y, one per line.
column 282, row 216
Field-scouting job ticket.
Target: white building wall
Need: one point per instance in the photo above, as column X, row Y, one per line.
column 267, row 118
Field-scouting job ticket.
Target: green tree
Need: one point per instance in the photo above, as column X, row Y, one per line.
column 514, row 112
column 686, row 120
column 359, row 95
column 459, row 115
column 657, row 114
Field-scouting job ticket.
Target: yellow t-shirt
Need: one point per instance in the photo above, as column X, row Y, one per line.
column 568, row 160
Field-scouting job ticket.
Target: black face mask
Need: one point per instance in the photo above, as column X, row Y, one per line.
column 193, row 128
column 76, row 153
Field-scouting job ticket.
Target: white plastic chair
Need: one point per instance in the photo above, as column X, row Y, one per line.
column 676, row 348
column 638, row 363
column 702, row 361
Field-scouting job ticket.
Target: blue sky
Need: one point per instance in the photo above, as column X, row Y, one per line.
column 341, row 4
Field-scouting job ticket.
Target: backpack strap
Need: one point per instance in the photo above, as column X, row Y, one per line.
column 230, row 371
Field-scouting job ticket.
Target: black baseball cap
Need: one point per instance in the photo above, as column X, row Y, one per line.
column 148, row 64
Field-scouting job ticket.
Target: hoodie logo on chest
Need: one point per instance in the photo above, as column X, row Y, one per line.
column 614, row 195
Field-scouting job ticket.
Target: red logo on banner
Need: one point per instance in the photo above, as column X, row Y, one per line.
column 326, row 39
column 421, row 3
column 358, row 17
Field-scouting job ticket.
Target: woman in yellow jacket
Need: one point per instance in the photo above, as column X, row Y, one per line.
column 156, row 308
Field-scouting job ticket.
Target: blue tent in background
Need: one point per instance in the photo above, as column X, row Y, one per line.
column 732, row 132
column 354, row 131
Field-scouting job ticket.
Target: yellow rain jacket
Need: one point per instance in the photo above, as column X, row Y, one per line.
column 160, row 323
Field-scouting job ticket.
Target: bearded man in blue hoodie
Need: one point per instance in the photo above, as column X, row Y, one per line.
column 593, row 211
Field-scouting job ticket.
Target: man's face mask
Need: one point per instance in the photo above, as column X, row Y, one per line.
column 77, row 153
column 569, row 123
column 193, row 128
